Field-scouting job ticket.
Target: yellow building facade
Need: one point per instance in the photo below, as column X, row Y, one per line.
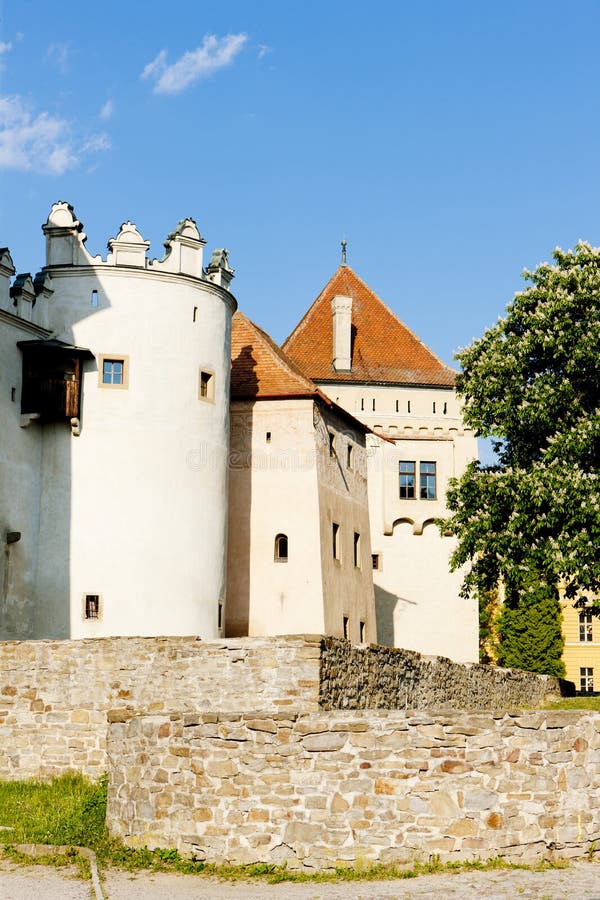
column 581, row 655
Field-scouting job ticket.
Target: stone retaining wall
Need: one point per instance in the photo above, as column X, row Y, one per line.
column 55, row 695
column 321, row 789
column 389, row 678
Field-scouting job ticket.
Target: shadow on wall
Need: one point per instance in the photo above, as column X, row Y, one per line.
column 385, row 606
column 244, row 386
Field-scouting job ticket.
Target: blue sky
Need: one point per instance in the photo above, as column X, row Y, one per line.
column 451, row 143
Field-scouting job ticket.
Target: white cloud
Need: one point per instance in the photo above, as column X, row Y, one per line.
column 264, row 50
column 58, row 55
column 107, row 110
column 214, row 53
column 40, row 142
column 5, row 46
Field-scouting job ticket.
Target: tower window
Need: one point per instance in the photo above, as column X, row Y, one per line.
column 397, row 405
column 373, row 404
column 346, row 627
column 376, row 561
column 349, row 456
column 362, row 404
column 91, row 606
column 268, row 437
column 363, row 632
column 94, row 299
column 281, row 548
column 113, row 371
column 331, row 444
column 356, row 550
column 408, row 406
column 207, row 386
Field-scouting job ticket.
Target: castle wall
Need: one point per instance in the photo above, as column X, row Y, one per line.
column 318, row 790
column 55, row 696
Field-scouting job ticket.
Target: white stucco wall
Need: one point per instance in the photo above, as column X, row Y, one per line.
column 417, row 596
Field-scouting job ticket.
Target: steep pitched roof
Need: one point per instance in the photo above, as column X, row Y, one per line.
column 259, row 368
column 383, row 348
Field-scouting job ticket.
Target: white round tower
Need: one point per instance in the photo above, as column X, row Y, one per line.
column 134, row 496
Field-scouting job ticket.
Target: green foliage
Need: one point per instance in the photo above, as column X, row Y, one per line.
column 532, row 384
column 530, row 632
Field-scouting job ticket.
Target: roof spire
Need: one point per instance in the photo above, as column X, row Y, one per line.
column 344, row 245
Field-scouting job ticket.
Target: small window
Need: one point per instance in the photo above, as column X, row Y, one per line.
column 373, row 404
column 376, row 561
column 268, row 437
column 363, row 632
column 94, row 299
column 585, row 626
column 220, row 616
column 586, row 679
column 92, row 606
column 207, row 386
column 346, row 627
column 408, row 406
column 433, row 406
column 195, row 314
column 407, row 480
column 356, row 550
column 427, row 481
column 113, row 371
column 281, row 548
column 362, row 404
column 13, row 394
column 397, row 405
column 336, row 541
column 349, row 456
column 331, row 444
column 445, row 410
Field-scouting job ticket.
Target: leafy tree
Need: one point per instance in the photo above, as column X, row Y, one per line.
column 532, row 384
column 530, row 632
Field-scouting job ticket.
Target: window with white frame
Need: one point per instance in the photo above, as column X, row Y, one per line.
column 586, row 679
column 407, row 479
column 585, row 626
column 427, row 487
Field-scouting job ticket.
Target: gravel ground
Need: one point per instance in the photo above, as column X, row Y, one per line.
column 580, row 882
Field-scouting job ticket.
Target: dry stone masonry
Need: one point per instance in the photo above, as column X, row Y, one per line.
column 321, row 789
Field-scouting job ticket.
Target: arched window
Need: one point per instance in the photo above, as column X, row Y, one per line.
column 281, row 548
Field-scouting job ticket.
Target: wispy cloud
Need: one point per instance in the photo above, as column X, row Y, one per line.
column 58, row 56
column 107, row 110
column 264, row 50
column 41, row 142
column 213, row 54
column 5, row 46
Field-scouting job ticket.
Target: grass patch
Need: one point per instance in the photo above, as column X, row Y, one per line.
column 592, row 703
column 71, row 811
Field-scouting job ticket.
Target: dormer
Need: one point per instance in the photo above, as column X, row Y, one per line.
column 184, row 248
column 128, row 248
column 23, row 296
column 219, row 271
column 7, row 270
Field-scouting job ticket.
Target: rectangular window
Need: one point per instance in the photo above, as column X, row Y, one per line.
column 113, row 371
column 407, row 480
column 207, row 386
column 92, row 606
column 356, row 550
column 427, row 481
column 586, row 679
column 346, row 626
column 376, row 561
column 336, row 541
column 585, row 626
column 363, row 632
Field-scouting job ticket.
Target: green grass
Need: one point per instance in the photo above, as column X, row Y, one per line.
column 592, row 703
column 71, row 811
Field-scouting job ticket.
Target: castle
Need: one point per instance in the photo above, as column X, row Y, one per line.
column 144, row 490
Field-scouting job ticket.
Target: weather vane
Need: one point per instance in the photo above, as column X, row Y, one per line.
column 344, row 245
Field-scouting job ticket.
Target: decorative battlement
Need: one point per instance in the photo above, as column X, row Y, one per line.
column 65, row 246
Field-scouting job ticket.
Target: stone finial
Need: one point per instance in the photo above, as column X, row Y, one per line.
column 128, row 248
column 219, row 271
column 23, row 296
column 64, row 237
column 184, row 246
column 7, row 270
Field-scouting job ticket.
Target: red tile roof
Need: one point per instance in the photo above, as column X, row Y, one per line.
column 383, row 348
column 260, row 370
